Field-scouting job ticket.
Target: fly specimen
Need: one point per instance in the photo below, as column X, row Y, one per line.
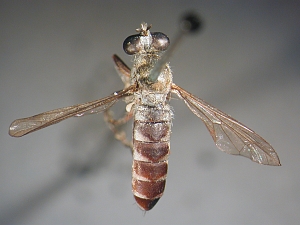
column 148, row 87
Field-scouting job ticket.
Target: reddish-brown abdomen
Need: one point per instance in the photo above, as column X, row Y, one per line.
column 151, row 147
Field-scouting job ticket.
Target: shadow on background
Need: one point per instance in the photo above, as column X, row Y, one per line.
column 73, row 171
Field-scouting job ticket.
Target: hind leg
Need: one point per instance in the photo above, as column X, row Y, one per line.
column 114, row 126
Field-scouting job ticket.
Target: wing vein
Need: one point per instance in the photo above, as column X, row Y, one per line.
column 228, row 134
column 24, row 126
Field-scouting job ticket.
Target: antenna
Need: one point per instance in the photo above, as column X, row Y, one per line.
column 190, row 23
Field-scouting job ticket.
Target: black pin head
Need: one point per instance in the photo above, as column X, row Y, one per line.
column 190, row 23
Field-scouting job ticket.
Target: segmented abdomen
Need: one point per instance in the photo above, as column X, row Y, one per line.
column 151, row 147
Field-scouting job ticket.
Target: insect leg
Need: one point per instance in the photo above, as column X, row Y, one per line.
column 114, row 125
column 123, row 70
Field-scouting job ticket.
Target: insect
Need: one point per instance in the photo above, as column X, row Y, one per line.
column 147, row 91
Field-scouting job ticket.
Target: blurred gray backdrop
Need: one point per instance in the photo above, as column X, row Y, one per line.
column 58, row 53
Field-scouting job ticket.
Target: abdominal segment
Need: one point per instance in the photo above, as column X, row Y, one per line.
column 151, row 147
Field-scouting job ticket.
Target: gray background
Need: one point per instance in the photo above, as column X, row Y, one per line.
column 245, row 62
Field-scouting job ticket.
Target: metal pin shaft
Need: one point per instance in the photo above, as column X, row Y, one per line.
column 189, row 24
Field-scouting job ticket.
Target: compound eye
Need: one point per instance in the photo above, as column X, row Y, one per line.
column 132, row 44
column 160, row 41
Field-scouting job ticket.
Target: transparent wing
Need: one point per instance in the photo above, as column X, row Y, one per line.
column 24, row 126
column 229, row 135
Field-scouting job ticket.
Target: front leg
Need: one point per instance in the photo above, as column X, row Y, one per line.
column 123, row 70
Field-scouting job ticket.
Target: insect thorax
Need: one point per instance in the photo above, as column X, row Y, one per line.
column 152, row 94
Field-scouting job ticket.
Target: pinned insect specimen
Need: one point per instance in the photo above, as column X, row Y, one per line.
column 147, row 91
